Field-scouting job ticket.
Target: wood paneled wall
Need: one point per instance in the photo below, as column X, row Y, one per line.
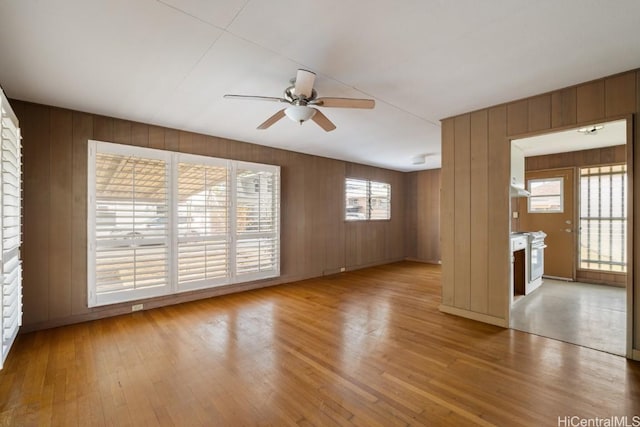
column 422, row 212
column 582, row 158
column 475, row 181
column 315, row 238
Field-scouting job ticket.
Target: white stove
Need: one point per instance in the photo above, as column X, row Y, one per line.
column 532, row 245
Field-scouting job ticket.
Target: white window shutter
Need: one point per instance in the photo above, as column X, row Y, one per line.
column 162, row 222
column 203, row 225
column 257, row 222
column 131, row 227
column 11, row 227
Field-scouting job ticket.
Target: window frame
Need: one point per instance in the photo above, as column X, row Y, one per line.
column 172, row 162
column 608, row 220
column 368, row 196
column 532, row 196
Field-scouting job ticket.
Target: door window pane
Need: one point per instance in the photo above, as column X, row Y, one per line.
column 546, row 195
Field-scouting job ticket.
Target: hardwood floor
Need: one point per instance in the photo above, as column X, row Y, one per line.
column 362, row 348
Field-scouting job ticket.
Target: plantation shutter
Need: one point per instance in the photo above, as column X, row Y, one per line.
column 11, row 179
column 131, row 227
column 257, row 222
column 203, row 224
column 160, row 223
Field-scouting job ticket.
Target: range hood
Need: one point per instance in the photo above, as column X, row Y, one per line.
column 517, row 191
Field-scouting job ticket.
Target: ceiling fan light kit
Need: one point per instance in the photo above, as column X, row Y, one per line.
column 302, row 97
column 299, row 113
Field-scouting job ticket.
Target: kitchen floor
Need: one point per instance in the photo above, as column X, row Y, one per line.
column 588, row 315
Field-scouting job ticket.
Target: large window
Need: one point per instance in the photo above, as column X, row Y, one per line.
column 367, row 200
column 162, row 222
column 603, row 218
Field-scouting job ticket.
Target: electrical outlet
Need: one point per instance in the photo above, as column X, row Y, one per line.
column 342, row 269
column 137, row 307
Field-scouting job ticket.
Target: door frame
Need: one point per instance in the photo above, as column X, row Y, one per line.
column 574, row 217
column 632, row 315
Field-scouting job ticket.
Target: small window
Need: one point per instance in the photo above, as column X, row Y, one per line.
column 367, row 200
column 546, row 195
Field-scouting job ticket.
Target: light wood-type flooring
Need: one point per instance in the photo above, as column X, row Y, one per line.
column 366, row 348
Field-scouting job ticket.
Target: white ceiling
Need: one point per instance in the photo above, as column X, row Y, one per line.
column 170, row 62
column 613, row 133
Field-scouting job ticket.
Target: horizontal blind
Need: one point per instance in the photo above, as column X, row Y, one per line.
column 367, row 200
column 356, row 199
column 131, row 223
column 380, row 200
column 257, row 223
column 203, row 224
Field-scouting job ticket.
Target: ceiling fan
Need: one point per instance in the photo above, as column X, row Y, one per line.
column 302, row 97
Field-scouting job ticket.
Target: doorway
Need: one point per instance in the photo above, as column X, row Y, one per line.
column 577, row 185
column 550, row 208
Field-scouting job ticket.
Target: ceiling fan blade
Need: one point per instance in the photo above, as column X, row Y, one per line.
column 256, row 98
column 304, row 83
column 323, row 121
column 344, row 102
column 271, row 120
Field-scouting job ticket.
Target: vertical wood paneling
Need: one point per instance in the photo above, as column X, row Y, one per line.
column 102, row 128
column 422, row 232
column 412, row 202
column 479, row 211
column 518, row 117
column 462, row 212
column 620, row 94
column 334, row 173
column 590, row 101
column 82, row 132
column 171, row 140
column 581, row 104
column 35, row 127
column 447, row 209
column 60, row 213
column 563, row 107
column 156, row 137
column 498, row 202
column 121, row 132
column 539, row 109
column 139, row 134
column 592, row 157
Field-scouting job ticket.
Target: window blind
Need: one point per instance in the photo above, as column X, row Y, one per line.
column 257, row 222
column 162, row 222
column 131, row 227
column 367, row 200
column 203, row 225
column 11, row 227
